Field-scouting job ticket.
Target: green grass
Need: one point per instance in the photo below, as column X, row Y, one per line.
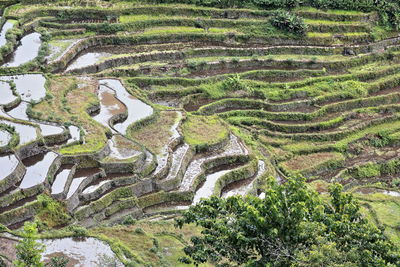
column 382, row 210
column 73, row 110
column 201, row 131
column 331, row 11
column 331, row 22
column 183, row 29
column 156, row 243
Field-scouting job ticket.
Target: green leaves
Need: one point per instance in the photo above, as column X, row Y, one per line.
column 28, row 250
column 289, row 22
column 291, row 226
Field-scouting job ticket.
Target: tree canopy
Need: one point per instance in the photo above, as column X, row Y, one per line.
column 292, row 226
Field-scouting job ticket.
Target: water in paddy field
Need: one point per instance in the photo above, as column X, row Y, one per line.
column 6, row 93
column 243, row 187
column 109, row 106
column 87, row 60
column 19, row 112
column 6, row 26
column 79, row 176
column 27, row 51
column 75, row 134
column 61, row 179
column 121, row 148
column 31, row 87
column 207, row 189
column 37, row 168
column 5, row 138
column 137, row 109
column 80, row 252
column 27, row 133
column 8, row 163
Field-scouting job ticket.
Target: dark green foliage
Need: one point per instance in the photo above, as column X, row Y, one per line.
column 28, row 249
column 292, row 226
column 381, row 139
column 277, row 3
column 58, row 262
column 234, row 83
column 129, row 220
column 139, row 231
column 289, row 22
column 78, row 231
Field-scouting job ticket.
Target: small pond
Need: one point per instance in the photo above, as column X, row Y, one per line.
column 37, row 168
column 86, row 252
column 27, row 51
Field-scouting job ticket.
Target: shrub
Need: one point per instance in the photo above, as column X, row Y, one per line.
column 139, row 231
column 129, row 220
column 234, row 83
column 289, row 22
column 396, row 182
column 79, row 231
column 367, row 171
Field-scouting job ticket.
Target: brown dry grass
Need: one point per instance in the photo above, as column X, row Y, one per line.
column 155, row 135
column 310, row 161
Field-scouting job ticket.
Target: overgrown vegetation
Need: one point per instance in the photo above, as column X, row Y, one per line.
column 290, row 22
column 291, row 226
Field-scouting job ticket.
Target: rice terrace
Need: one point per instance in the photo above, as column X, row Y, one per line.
column 199, row 133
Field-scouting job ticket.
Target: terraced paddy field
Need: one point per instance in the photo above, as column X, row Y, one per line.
column 117, row 116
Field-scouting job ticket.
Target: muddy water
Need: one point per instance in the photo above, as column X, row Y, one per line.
column 80, row 253
column 137, row 109
column 36, row 169
column 6, row 94
column 8, row 164
column 26, row 133
column 31, row 87
column 87, row 60
column 19, row 112
column 7, row 25
column 61, row 179
column 27, row 51
column 243, row 187
column 233, row 148
column 75, row 134
column 109, row 106
column 5, row 138
column 121, row 148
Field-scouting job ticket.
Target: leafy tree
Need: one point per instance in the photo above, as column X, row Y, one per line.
column 291, row 226
column 28, row 249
